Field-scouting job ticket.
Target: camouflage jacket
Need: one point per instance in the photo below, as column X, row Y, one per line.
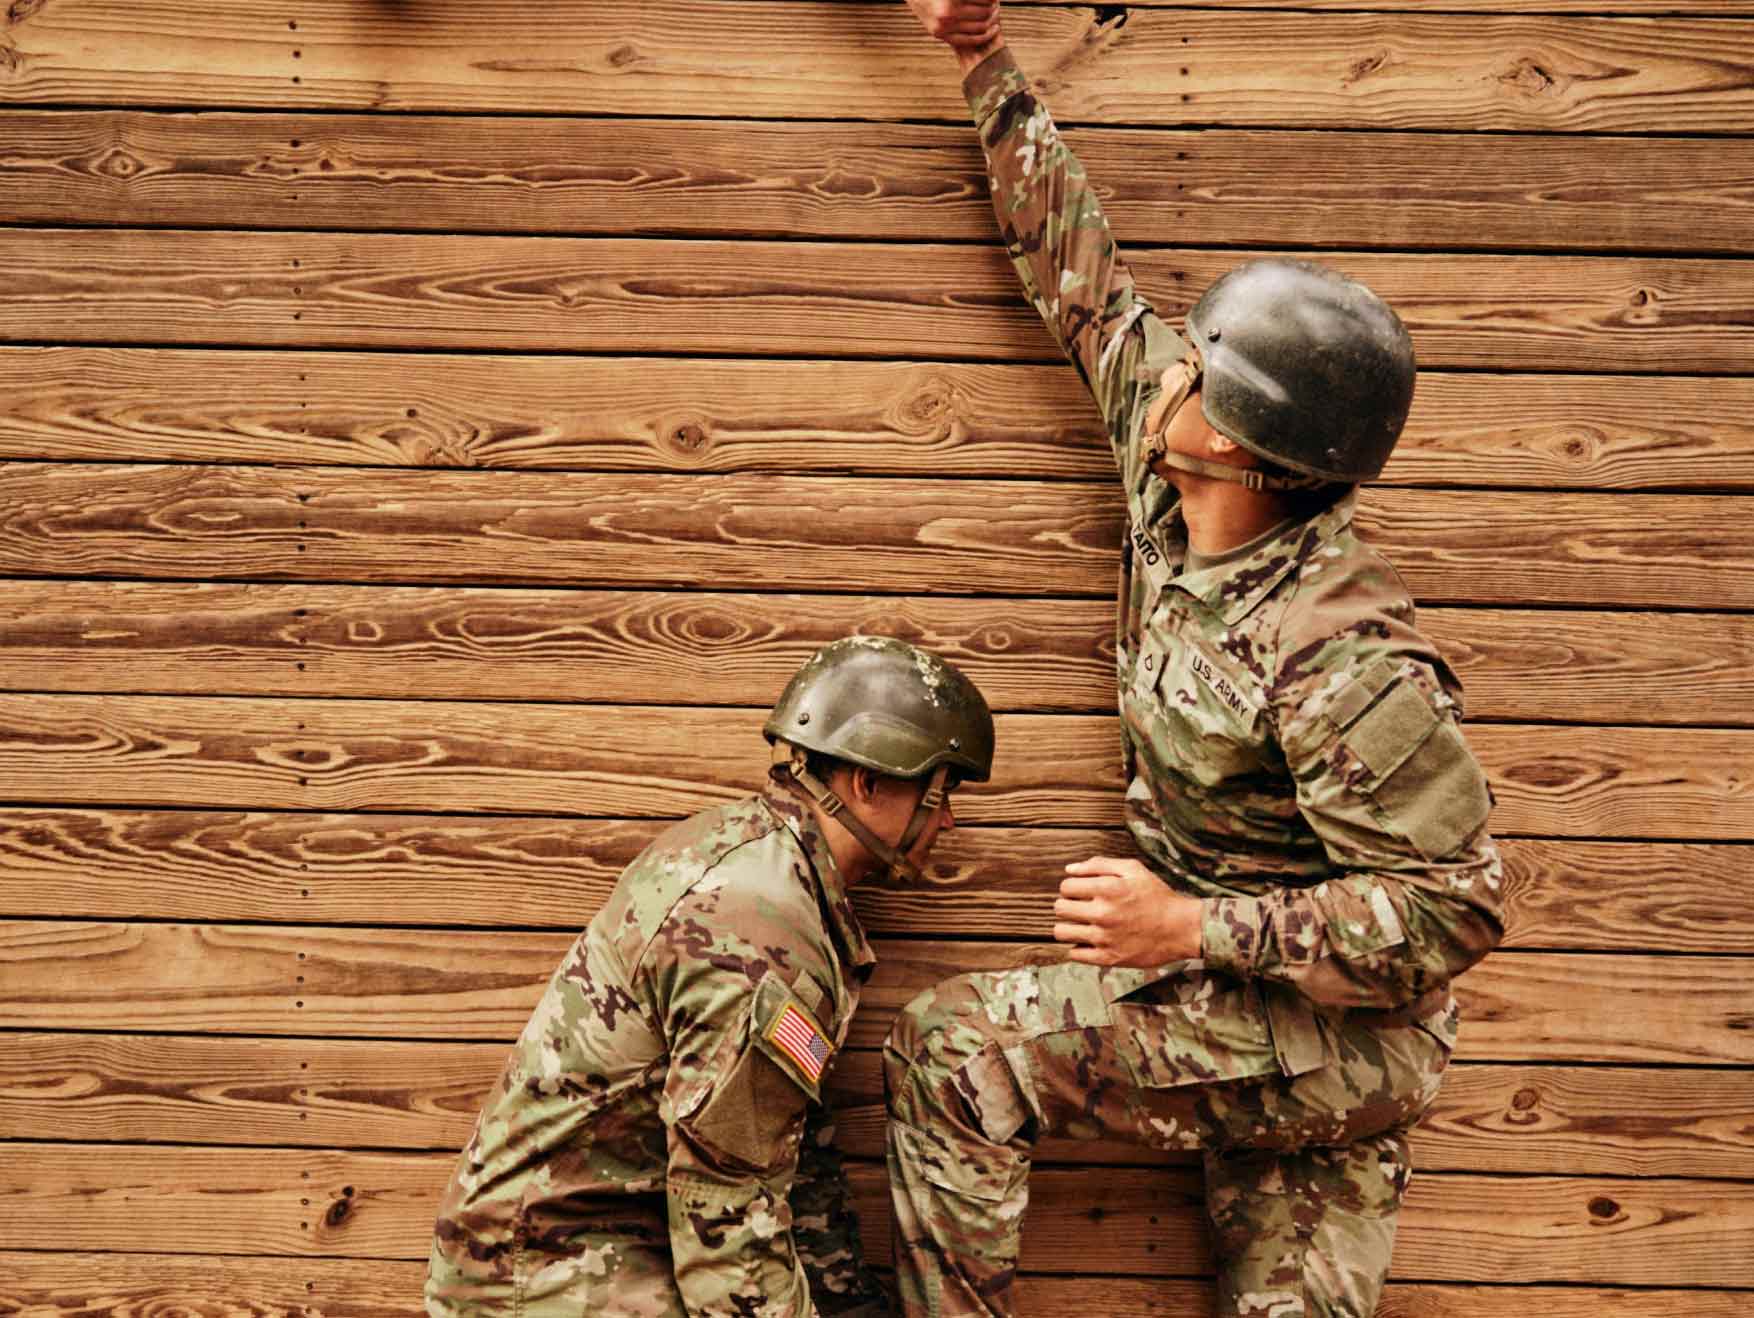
column 1291, row 737
column 662, row 1083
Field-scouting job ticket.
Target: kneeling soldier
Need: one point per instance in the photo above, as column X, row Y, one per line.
column 655, row 1145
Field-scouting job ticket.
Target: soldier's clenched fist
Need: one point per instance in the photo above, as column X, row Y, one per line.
column 966, row 24
column 1118, row 913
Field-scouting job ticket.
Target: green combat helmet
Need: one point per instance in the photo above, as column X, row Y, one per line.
column 892, row 707
column 1303, row 367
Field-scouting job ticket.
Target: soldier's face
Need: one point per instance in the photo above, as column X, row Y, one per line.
column 1189, row 433
column 892, row 809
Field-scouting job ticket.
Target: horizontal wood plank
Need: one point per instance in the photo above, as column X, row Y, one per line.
column 842, row 417
column 707, row 648
column 123, row 1285
column 800, row 60
column 420, row 1096
column 800, row 532
column 401, row 756
column 1519, row 1006
column 489, row 872
column 719, row 177
column 607, row 295
column 474, row 758
column 1146, row 1221
column 713, row 648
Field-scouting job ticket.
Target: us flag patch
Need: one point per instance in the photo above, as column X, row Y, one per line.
column 796, row 1035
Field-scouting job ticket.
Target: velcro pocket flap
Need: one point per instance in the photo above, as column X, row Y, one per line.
column 1222, row 1035
column 788, row 1032
column 990, row 1088
column 1391, row 729
column 992, row 1173
column 1418, row 770
column 1437, row 796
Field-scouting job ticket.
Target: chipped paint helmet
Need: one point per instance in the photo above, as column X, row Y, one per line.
column 888, row 705
column 1303, row 367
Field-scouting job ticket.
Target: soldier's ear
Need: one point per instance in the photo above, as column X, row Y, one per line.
column 864, row 783
column 1217, row 442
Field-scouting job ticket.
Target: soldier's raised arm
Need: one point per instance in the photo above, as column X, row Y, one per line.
column 1055, row 233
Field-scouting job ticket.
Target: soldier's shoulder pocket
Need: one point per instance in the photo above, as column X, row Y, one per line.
column 755, row 1107
column 1397, row 747
column 785, row 1027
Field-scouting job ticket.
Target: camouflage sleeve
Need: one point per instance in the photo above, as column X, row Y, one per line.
column 826, row 1229
column 1059, row 241
column 1368, row 724
column 734, row 1107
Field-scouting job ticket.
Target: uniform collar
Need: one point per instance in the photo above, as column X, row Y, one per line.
column 831, row 892
column 1233, row 590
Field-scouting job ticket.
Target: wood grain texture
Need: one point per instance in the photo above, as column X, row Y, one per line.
column 721, row 177
column 424, row 1096
column 442, row 985
column 488, row 872
column 164, row 287
column 1145, row 1222
column 595, row 414
column 709, row 648
column 474, row 758
column 529, row 527
column 804, row 533
column 129, row 1285
column 714, row 648
column 1063, row 770
column 794, row 60
column 854, row 418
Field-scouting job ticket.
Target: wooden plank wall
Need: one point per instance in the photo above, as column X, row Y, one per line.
column 432, row 431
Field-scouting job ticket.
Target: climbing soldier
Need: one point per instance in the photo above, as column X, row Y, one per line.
column 1268, row 981
column 655, row 1145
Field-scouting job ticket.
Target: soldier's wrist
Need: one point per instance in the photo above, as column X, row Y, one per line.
column 1230, row 934
column 970, row 58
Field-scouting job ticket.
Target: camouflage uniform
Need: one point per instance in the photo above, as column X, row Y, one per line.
column 655, row 1144
column 1294, row 762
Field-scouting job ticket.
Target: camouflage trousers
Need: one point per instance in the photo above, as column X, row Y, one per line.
column 1304, row 1174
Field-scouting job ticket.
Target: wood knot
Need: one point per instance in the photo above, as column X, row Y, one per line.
column 622, row 56
column 997, row 640
column 1604, row 1209
column 689, row 437
column 1528, row 76
column 1523, row 1108
column 931, row 405
column 19, row 10
column 1111, row 14
column 117, row 163
column 1365, row 67
column 338, row 1211
column 711, row 627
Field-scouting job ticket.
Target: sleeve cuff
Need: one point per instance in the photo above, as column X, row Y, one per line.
column 991, row 83
column 1231, row 931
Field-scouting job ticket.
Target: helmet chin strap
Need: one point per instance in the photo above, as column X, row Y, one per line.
column 800, row 782
column 1154, row 444
column 1152, row 447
